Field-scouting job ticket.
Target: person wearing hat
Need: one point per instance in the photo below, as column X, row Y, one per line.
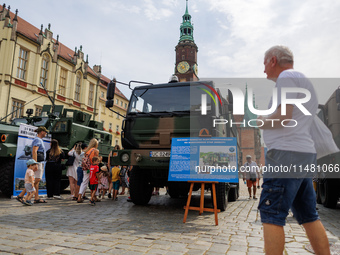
column 32, row 166
column 251, row 175
column 39, row 155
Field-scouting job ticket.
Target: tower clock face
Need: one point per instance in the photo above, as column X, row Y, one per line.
column 183, row 67
column 195, row 69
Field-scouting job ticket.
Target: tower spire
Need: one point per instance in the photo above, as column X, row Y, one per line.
column 186, row 29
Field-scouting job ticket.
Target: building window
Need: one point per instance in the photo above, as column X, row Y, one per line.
column 44, row 70
column 125, row 105
column 17, row 108
column 38, row 110
column 62, row 82
column 117, row 128
column 102, row 95
column 117, row 101
column 77, row 88
column 118, row 115
column 110, row 126
column 91, row 92
column 121, row 103
column 117, row 142
column 22, row 64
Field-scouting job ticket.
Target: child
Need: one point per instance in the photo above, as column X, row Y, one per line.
column 115, row 181
column 104, row 181
column 32, row 166
column 94, row 175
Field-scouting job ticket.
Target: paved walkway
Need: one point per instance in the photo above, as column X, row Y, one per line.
column 119, row 227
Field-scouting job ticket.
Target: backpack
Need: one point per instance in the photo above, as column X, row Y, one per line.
column 122, row 172
column 86, row 162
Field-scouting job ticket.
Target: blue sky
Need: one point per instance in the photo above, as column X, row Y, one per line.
column 136, row 39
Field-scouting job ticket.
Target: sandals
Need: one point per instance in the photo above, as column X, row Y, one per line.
column 20, row 199
column 39, row 201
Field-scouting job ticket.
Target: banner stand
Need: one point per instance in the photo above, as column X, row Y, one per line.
column 201, row 209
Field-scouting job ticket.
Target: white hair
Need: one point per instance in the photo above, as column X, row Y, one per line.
column 282, row 53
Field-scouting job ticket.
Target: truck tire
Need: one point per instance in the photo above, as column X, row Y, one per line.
column 140, row 188
column 7, row 176
column 328, row 190
column 222, row 191
column 232, row 195
column 177, row 189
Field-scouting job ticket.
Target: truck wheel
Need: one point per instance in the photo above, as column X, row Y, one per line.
column 140, row 188
column 7, row 176
column 222, row 190
column 177, row 189
column 328, row 192
column 232, row 195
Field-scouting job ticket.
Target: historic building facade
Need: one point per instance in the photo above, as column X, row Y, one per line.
column 31, row 59
column 186, row 51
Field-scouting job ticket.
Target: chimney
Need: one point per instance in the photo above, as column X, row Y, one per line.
column 97, row 69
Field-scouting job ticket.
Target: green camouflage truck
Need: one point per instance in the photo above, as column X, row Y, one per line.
column 155, row 115
column 328, row 189
column 68, row 126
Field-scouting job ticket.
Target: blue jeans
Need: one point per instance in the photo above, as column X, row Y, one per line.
column 80, row 175
column 289, row 191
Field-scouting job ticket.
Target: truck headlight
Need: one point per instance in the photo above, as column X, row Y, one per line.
column 125, row 157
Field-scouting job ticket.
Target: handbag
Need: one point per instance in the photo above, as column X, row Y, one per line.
column 70, row 160
column 86, row 162
column 40, row 156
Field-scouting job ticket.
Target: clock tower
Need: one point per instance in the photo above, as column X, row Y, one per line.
column 186, row 51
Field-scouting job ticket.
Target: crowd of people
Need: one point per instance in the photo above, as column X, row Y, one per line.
column 85, row 169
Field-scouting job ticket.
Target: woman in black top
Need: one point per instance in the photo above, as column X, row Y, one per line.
column 53, row 170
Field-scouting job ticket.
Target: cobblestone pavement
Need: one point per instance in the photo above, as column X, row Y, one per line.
column 119, row 227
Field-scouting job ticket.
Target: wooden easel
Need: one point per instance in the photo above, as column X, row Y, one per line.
column 201, row 209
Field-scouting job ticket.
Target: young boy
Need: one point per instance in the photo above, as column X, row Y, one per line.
column 32, row 166
column 115, row 181
column 94, row 176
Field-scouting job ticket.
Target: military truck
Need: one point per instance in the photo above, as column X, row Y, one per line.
column 328, row 189
column 68, row 126
column 155, row 115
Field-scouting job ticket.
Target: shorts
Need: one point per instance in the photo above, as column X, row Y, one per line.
column 251, row 183
column 29, row 187
column 39, row 173
column 93, row 186
column 115, row 185
column 281, row 194
column 80, row 175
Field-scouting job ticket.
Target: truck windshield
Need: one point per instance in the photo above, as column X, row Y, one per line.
column 167, row 99
column 38, row 121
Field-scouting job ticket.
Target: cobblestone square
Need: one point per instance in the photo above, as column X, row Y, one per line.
column 120, row 227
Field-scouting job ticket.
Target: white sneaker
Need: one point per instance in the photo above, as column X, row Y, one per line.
column 57, row 197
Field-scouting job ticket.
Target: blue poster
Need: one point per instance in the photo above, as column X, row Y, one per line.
column 204, row 159
column 24, row 153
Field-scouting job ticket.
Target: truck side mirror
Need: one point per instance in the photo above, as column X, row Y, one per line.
column 111, row 87
column 337, row 95
column 230, row 101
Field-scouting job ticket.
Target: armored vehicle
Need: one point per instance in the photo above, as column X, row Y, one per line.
column 156, row 114
column 328, row 189
column 68, row 126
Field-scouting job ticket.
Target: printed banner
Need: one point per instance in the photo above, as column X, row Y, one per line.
column 24, row 153
column 204, row 159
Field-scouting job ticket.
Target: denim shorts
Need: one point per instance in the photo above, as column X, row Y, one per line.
column 80, row 175
column 281, row 194
column 115, row 185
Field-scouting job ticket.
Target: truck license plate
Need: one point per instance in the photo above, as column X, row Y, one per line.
column 159, row 154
